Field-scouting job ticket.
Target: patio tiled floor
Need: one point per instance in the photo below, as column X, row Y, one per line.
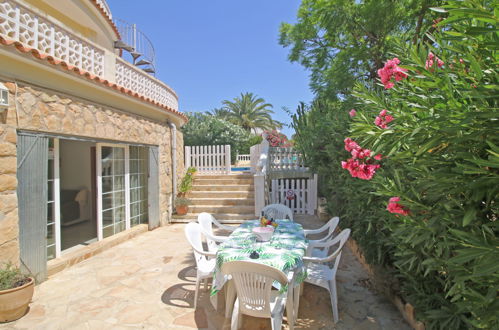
column 148, row 282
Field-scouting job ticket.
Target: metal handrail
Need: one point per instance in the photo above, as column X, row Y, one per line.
column 135, row 38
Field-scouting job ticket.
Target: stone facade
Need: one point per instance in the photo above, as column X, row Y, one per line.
column 37, row 109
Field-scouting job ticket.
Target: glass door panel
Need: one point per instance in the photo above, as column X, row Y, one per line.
column 139, row 158
column 112, row 195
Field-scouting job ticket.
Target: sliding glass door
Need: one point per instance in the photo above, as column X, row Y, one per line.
column 112, row 186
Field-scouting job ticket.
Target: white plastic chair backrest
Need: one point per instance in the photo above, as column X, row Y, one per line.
column 332, row 224
column 253, row 283
column 336, row 255
column 277, row 211
column 193, row 235
column 206, row 221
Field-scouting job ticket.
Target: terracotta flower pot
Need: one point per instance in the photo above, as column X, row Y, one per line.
column 182, row 209
column 14, row 302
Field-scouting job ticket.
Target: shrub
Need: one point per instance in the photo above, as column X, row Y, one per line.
column 203, row 129
column 430, row 212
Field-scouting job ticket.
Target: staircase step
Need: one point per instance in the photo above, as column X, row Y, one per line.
column 209, row 201
column 245, row 209
column 225, row 180
column 222, row 217
column 221, row 194
column 223, row 187
column 223, row 176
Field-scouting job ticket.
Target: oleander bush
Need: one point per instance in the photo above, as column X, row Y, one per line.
column 417, row 179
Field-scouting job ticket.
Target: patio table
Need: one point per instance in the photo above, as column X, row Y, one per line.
column 284, row 251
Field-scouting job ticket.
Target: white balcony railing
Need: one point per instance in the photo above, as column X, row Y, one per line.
column 18, row 23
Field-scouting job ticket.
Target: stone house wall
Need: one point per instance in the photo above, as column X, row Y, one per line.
column 38, row 109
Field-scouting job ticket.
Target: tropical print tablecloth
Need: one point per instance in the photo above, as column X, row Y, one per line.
column 284, row 251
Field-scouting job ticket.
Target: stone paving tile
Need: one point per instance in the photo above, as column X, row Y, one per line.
column 148, row 283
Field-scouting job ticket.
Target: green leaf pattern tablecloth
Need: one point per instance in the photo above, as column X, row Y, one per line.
column 284, row 251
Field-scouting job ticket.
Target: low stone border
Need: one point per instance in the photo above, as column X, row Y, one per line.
column 407, row 310
column 67, row 260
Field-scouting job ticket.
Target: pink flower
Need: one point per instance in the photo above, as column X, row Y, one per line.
column 391, row 70
column 360, row 165
column 360, row 170
column 378, row 157
column 350, row 144
column 352, row 113
column 383, row 119
column 430, row 61
column 394, row 207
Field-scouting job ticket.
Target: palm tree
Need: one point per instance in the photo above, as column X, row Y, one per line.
column 250, row 113
column 220, row 113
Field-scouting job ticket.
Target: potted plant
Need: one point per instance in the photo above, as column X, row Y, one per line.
column 186, row 182
column 182, row 205
column 16, row 291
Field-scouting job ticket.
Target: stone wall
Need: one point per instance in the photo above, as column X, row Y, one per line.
column 9, row 230
column 43, row 110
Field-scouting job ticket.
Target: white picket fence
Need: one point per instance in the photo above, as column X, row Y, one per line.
column 243, row 158
column 300, row 195
column 214, row 159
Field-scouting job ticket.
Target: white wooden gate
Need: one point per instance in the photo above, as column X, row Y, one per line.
column 213, row 159
column 300, row 195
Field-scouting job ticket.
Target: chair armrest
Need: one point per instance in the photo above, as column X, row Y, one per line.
column 205, row 253
column 314, row 259
column 315, row 231
column 225, row 227
column 218, row 239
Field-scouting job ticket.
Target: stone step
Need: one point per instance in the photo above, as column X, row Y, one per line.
column 203, row 182
column 222, row 187
column 222, row 176
column 221, row 194
column 209, row 200
column 245, row 209
column 222, row 217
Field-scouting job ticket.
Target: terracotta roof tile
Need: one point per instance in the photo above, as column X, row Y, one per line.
column 106, row 16
column 57, row 62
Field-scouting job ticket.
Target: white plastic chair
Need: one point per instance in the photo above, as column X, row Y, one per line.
column 206, row 222
column 330, row 226
column 205, row 261
column 320, row 273
column 278, row 211
column 255, row 297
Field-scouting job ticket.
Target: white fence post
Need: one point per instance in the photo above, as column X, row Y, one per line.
column 187, row 156
column 312, row 195
column 227, row 159
column 259, row 192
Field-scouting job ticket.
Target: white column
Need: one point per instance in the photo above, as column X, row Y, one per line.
column 259, row 192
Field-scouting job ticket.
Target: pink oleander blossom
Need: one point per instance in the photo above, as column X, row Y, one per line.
column 431, row 59
column 383, row 119
column 394, row 206
column 391, row 70
column 378, row 157
column 360, row 165
column 360, row 170
column 350, row 144
column 352, row 113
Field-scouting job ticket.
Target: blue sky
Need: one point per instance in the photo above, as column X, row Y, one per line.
column 209, row 51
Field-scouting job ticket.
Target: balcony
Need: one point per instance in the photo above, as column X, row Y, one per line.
column 53, row 42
